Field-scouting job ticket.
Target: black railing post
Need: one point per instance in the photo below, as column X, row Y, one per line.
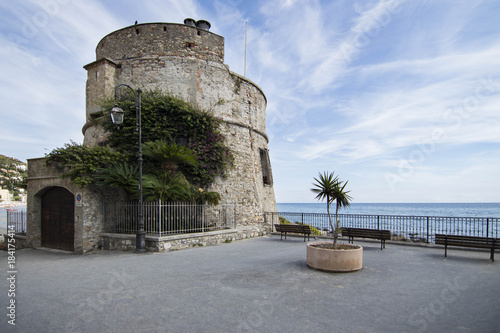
column 487, row 227
column 427, row 229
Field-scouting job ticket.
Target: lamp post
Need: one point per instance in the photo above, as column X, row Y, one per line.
column 117, row 118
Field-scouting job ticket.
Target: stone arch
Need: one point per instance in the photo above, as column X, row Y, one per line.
column 57, row 218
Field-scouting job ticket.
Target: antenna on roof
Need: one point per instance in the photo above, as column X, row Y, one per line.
column 245, row 64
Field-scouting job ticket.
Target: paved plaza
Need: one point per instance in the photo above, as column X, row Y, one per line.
column 254, row 285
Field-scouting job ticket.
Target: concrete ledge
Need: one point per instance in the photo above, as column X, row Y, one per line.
column 126, row 242
column 20, row 241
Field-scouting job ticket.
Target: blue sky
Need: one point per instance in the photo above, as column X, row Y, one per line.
column 401, row 98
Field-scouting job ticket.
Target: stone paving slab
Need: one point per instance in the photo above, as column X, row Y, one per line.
column 255, row 285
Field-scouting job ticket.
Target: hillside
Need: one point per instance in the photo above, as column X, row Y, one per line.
column 12, row 177
column 10, row 160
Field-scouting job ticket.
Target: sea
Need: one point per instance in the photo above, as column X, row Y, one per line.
column 401, row 209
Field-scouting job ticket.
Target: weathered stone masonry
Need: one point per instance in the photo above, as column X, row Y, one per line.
column 187, row 62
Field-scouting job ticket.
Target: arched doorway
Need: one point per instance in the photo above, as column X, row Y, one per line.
column 58, row 219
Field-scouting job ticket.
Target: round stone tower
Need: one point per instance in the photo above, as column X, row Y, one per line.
column 187, row 60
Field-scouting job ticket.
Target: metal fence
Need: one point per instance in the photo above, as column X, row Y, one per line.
column 407, row 228
column 163, row 219
column 16, row 222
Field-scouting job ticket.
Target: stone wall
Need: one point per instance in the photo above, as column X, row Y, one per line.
column 177, row 242
column 88, row 218
column 151, row 40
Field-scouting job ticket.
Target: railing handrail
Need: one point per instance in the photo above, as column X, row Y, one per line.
column 391, row 215
column 404, row 227
column 163, row 218
column 17, row 219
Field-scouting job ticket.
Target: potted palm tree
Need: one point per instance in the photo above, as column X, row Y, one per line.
column 325, row 255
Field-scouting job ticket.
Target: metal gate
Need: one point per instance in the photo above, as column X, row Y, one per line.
column 58, row 219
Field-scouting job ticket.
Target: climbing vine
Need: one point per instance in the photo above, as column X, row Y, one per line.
column 164, row 118
column 168, row 118
column 80, row 163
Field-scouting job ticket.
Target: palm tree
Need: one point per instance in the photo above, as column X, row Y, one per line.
column 205, row 197
column 119, row 175
column 169, row 156
column 329, row 187
column 162, row 186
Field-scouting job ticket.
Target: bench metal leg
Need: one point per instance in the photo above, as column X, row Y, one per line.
column 445, row 245
column 492, row 256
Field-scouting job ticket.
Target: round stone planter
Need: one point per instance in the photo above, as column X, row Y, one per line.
column 330, row 260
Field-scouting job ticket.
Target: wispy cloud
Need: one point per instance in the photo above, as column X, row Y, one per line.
column 367, row 88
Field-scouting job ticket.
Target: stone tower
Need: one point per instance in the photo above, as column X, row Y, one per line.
column 187, row 60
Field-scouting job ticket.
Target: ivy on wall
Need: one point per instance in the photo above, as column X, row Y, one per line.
column 164, row 118
column 169, row 118
column 81, row 163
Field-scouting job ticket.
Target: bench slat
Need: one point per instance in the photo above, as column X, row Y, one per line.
column 468, row 241
column 293, row 228
column 383, row 235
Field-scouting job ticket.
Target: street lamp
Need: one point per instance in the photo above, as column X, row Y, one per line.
column 117, row 118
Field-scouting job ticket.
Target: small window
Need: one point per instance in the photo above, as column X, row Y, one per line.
column 267, row 177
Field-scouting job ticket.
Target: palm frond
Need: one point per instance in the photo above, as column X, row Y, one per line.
column 169, row 156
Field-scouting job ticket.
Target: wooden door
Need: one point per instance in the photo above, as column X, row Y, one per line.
column 58, row 219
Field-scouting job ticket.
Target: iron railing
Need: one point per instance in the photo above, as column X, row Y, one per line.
column 16, row 222
column 163, row 219
column 406, row 228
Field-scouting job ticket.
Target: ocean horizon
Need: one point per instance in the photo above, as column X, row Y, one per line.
column 486, row 209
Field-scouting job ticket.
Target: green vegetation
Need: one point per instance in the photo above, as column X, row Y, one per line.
column 12, row 176
column 314, row 230
column 283, row 220
column 329, row 187
column 170, row 119
column 80, row 163
column 183, row 148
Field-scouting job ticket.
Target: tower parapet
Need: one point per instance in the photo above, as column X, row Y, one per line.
column 152, row 40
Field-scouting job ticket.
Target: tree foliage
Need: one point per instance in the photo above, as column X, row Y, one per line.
column 330, row 187
column 175, row 122
column 169, row 157
column 183, row 147
column 81, row 163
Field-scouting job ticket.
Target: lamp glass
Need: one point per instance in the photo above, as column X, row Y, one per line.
column 117, row 115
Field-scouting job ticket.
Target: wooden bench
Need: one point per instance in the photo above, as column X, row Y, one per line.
column 293, row 228
column 383, row 235
column 468, row 241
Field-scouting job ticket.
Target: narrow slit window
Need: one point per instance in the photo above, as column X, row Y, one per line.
column 266, row 167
